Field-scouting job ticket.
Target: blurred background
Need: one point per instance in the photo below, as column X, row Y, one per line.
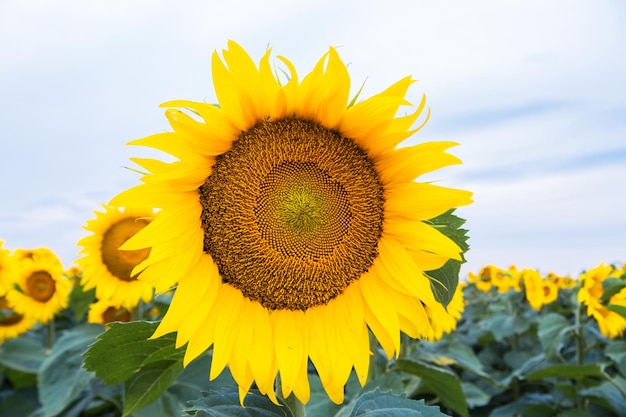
column 534, row 92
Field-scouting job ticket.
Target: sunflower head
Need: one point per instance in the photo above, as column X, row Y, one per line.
column 40, row 288
column 109, row 269
column 104, row 311
column 291, row 223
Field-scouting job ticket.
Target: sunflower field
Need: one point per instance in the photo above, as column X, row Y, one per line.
column 288, row 257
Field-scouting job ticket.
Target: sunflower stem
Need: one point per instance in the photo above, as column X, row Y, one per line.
column 292, row 402
column 295, row 405
column 137, row 313
column 50, row 334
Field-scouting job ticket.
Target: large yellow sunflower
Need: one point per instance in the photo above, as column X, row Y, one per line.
column 109, row 269
column 40, row 288
column 291, row 224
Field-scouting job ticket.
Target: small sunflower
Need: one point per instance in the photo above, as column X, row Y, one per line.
column 40, row 288
column 103, row 312
column 291, row 223
column 611, row 324
column 105, row 266
column 484, row 281
column 12, row 324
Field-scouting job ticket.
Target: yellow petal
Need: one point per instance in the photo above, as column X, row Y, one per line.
column 422, row 201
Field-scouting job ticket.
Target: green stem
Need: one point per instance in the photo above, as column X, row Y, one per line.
column 295, row 405
column 614, row 383
column 580, row 347
column 137, row 313
column 50, row 334
column 580, row 354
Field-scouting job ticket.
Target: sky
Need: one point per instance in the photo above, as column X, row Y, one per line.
column 534, row 92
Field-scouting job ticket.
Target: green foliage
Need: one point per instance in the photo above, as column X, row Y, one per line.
column 61, row 376
column 445, row 279
column 225, row 403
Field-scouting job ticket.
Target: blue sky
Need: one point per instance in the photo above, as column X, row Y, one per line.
column 534, row 91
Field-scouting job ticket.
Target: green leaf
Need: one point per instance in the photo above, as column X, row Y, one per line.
column 122, row 350
column 552, row 327
column 16, row 404
column 609, row 395
column 445, row 279
column 380, row 404
column 610, row 287
column 621, row 310
column 319, row 405
column 149, row 383
column 80, row 300
column 22, row 354
column 61, row 376
column 475, row 396
column 616, row 350
column 225, row 403
column 567, row 371
column 574, row 413
column 443, row 383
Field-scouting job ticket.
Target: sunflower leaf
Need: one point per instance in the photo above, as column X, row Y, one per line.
column 445, row 279
column 125, row 348
column 440, row 381
column 225, row 403
column 149, row 383
column 378, row 403
column 61, row 377
column 22, row 354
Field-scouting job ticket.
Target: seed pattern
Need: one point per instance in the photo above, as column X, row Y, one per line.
column 292, row 214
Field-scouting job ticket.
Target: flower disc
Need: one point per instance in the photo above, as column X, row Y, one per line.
column 281, row 211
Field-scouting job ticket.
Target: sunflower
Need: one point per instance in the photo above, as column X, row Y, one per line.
column 40, row 288
column 103, row 312
column 109, row 269
column 291, row 224
column 484, row 281
column 12, row 324
column 591, row 290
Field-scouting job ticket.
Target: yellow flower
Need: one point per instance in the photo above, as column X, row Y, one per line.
column 40, row 289
column 564, row 282
column 534, row 288
column 104, row 312
column 591, row 290
column 485, row 278
column 12, row 324
column 444, row 320
column 291, row 224
column 109, row 269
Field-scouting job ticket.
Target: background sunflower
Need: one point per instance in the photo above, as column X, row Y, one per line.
column 40, row 288
column 107, row 268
